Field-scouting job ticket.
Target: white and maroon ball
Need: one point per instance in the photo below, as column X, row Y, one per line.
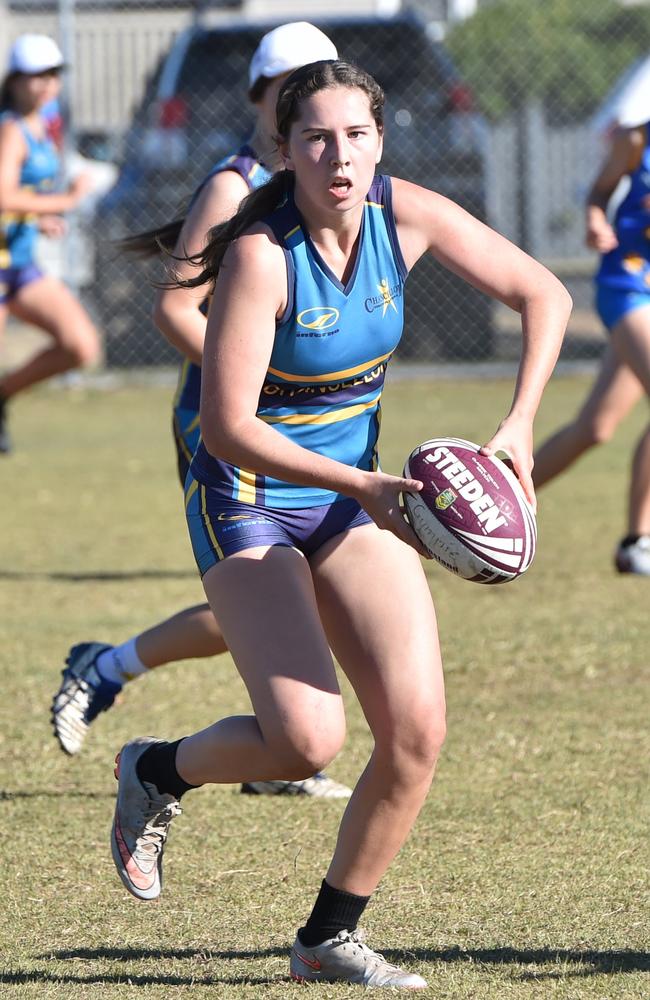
column 472, row 514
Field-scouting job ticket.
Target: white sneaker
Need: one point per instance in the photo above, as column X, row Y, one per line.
column 141, row 823
column 83, row 694
column 320, row 787
column 346, row 958
column 634, row 558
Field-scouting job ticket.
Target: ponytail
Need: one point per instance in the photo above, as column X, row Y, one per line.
column 154, row 241
column 255, row 207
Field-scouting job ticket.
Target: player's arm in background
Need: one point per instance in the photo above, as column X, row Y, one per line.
column 430, row 223
column 623, row 158
column 176, row 311
column 21, row 200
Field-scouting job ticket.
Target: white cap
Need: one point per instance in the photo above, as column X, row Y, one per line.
column 628, row 103
column 288, row 47
column 34, row 54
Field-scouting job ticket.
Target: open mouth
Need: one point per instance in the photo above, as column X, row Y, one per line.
column 341, row 185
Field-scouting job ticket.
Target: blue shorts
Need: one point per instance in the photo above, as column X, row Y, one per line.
column 219, row 527
column 12, row 279
column 186, row 431
column 612, row 304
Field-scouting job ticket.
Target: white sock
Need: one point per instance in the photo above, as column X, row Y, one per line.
column 121, row 663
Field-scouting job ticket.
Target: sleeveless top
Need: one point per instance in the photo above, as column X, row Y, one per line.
column 18, row 230
column 332, row 346
column 245, row 163
column 627, row 267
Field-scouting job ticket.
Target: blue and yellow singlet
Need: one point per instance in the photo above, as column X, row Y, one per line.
column 627, row 267
column 19, row 230
column 332, row 347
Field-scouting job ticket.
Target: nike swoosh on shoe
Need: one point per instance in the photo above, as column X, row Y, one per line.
column 312, row 963
column 141, row 879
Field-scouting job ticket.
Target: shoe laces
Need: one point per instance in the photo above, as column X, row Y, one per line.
column 156, row 827
column 357, row 939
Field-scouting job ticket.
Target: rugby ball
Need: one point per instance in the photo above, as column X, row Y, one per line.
column 472, row 514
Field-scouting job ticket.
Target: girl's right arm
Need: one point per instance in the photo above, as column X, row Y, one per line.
column 176, row 311
column 13, row 197
column 623, row 157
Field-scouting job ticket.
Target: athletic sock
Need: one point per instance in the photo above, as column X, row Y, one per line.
column 629, row 540
column 121, row 663
column 157, row 765
column 334, row 911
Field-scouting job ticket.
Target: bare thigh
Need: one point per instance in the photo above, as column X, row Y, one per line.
column 615, row 391
column 48, row 304
column 376, row 606
column 269, row 619
column 631, row 341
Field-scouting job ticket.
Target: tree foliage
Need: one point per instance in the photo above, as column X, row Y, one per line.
column 567, row 53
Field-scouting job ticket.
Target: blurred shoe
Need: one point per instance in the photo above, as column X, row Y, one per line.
column 83, row 694
column 141, row 824
column 634, row 557
column 347, row 958
column 5, row 440
column 320, row 786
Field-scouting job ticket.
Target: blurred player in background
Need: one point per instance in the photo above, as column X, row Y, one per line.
column 96, row 671
column 623, row 304
column 29, row 165
column 309, row 548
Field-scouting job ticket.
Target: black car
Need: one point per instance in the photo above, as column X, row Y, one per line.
column 195, row 111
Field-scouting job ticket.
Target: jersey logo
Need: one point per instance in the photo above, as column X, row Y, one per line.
column 318, row 318
column 385, row 299
column 633, row 263
column 386, row 295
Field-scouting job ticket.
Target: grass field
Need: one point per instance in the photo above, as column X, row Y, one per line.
column 526, row 876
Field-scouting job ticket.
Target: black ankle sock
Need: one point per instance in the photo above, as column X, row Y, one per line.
column 158, row 766
column 629, row 540
column 334, row 911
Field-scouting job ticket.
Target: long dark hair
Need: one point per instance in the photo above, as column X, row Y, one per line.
column 6, row 100
column 303, row 83
column 153, row 242
column 164, row 238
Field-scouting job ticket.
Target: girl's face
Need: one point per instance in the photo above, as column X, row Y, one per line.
column 32, row 91
column 334, row 147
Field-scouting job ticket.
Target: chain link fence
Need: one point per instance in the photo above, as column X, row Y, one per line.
column 501, row 105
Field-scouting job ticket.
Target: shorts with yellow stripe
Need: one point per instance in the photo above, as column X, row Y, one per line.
column 220, row 526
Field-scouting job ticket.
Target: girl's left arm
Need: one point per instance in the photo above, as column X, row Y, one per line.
column 428, row 222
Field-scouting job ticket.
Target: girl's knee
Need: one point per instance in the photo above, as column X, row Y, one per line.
column 86, row 349
column 594, row 429
column 305, row 749
column 80, row 346
column 413, row 747
column 599, row 432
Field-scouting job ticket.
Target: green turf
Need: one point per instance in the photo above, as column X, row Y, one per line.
column 526, row 876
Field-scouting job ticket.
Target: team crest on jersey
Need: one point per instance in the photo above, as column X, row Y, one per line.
column 445, row 499
column 386, row 297
column 318, row 317
column 633, row 263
